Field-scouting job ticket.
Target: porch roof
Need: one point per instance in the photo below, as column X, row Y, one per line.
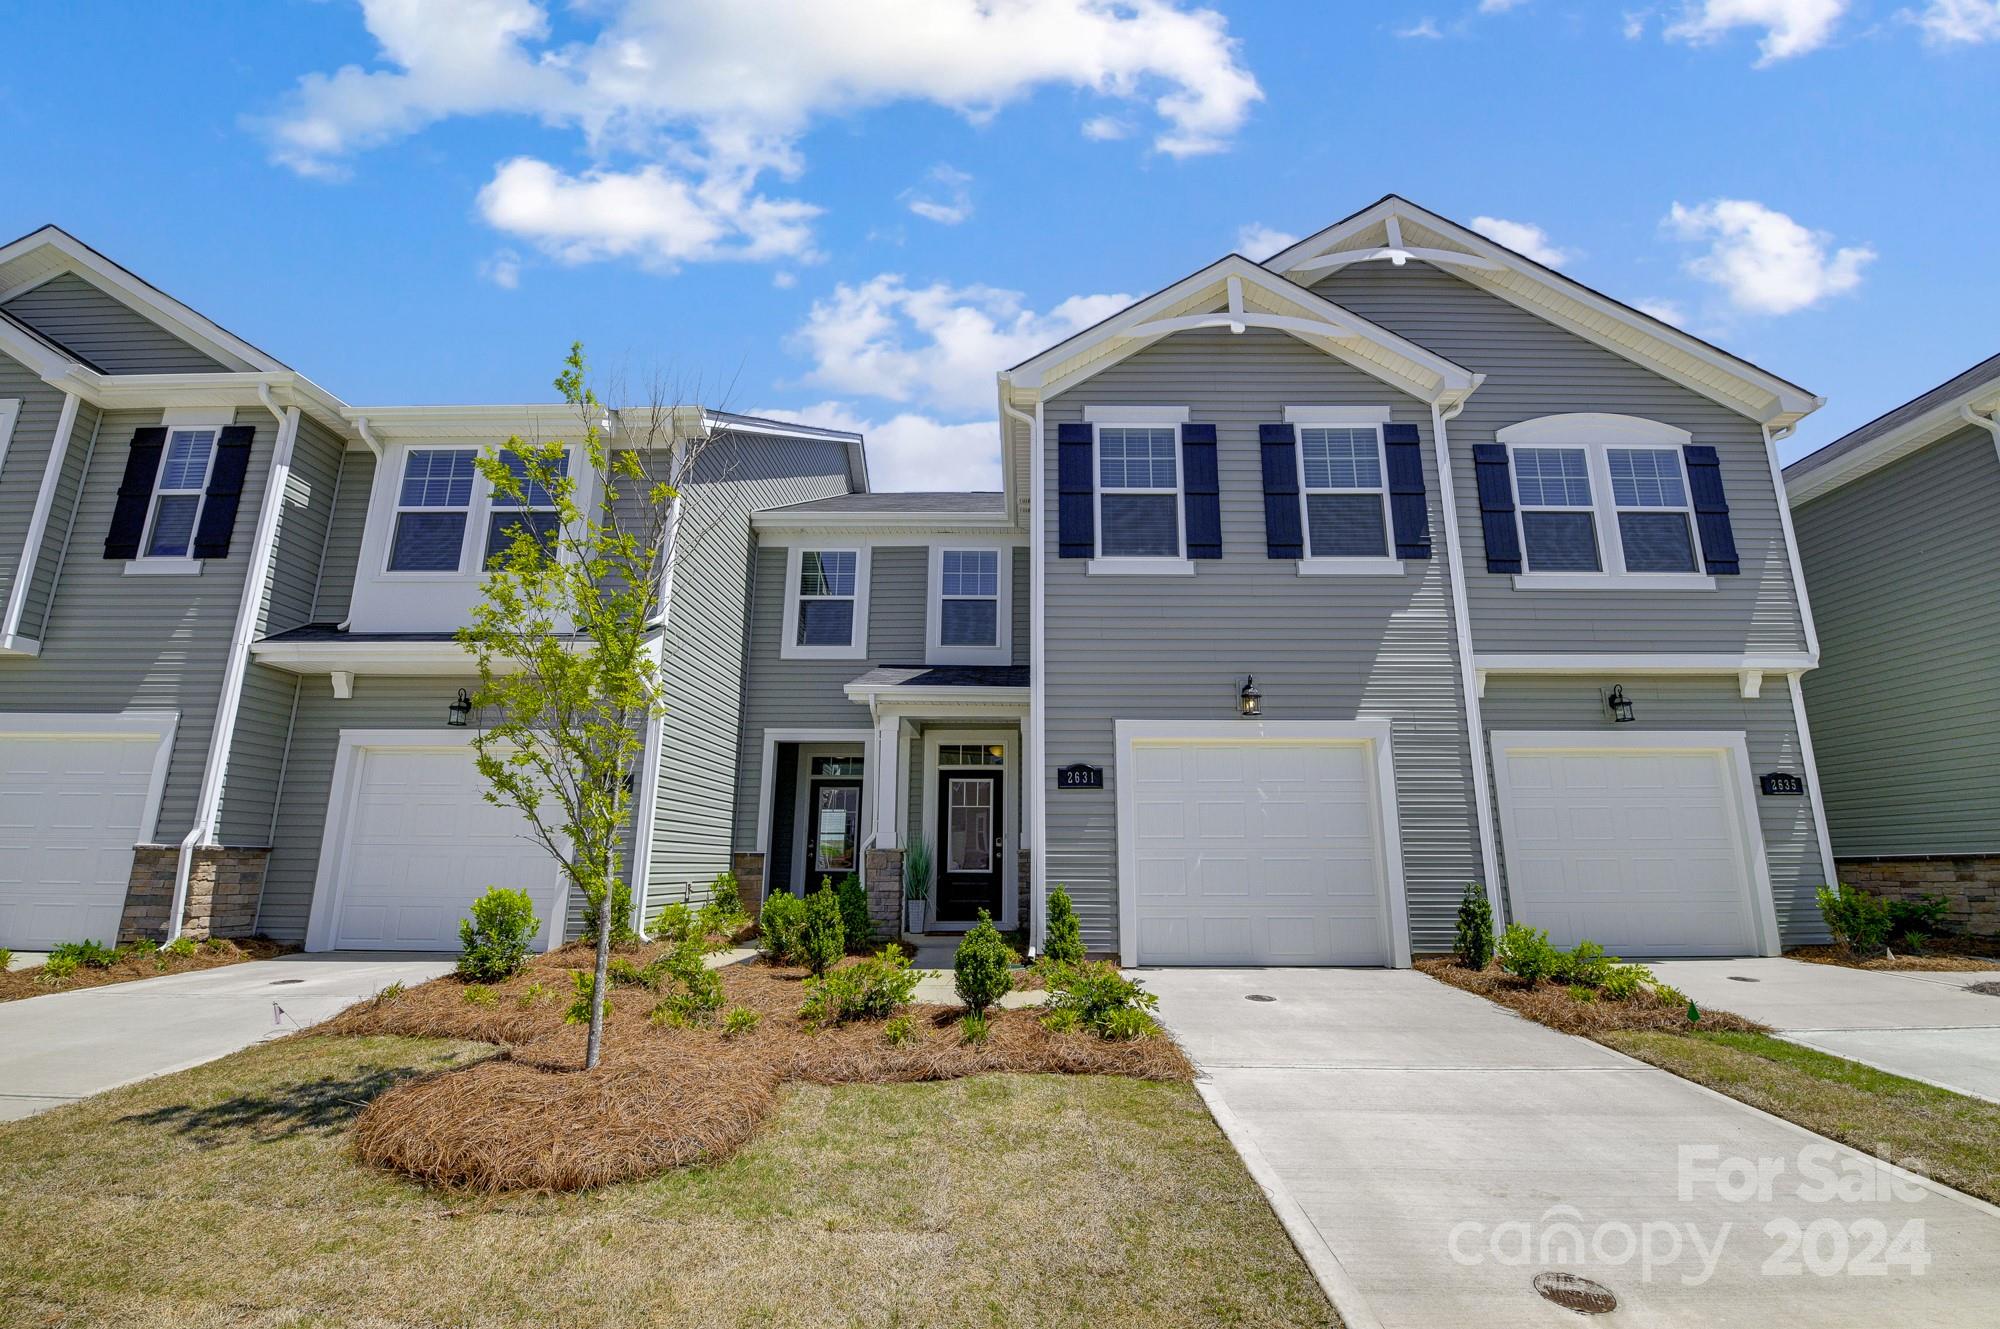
column 952, row 686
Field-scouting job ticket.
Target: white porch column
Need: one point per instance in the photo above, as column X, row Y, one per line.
column 891, row 775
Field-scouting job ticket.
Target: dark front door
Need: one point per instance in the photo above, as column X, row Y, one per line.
column 969, row 846
column 833, row 832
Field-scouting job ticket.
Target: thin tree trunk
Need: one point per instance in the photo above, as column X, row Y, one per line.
column 597, row 992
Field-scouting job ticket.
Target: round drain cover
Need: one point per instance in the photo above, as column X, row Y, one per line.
column 1574, row 1292
column 281, row 982
column 1743, row 978
column 1258, row 996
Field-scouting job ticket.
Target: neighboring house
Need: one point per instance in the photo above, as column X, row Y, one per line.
column 1901, row 544
column 226, row 658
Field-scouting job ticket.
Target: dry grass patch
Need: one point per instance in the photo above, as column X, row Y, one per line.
column 16, row 984
column 226, row 1196
column 664, row 1096
column 1946, row 955
column 1553, row 1005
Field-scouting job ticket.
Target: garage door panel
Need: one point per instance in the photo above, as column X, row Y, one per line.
column 72, row 806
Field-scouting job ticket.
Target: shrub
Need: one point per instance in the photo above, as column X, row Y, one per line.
column 1578, row 992
column 723, row 915
column 981, row 969
column 6, row 959
column 623, row 973
column 94, row 954
column 871, row 989
column 478, row 994
column 1062, row 935
column 1914, row 922
column 822, row 939
column 138, row 950
column 621, row 915
column 1525, row 953
column 58, row 969
column 1623, row 982
column 1474, row 943
column 533, row 995
column 781, row 920
column 973, row 1027
column 493, row 944
column 900, row 1030
column 1062, row 1020
column 854, row 920
column 218, row 945
column 391, row 992
column 1587, row 965
column 674, row 924
column 740, row 1020
column 1102, row 1000
column 586, row 990
column 1859, row 921
column 726, row 892
column 180, row 948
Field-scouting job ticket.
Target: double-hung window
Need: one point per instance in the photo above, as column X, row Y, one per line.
column 969, row 597
column 433, row 505
column 1139, row 491
column 1346, row 502
column 827, row 595
column 1558, row 517
column 537, row 515
column 177, row 494
column 1655, row 519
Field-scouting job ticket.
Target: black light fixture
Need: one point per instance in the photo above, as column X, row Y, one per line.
column 459, row 710
column 1250, row 701
column 1620, row 704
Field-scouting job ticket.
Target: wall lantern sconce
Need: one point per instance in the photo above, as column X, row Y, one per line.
column 1620, row 704
column 1250, row 701
column 460, row 709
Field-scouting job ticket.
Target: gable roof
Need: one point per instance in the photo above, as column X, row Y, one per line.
column 1917, row 423
column 45, row 254
column 1398, row 230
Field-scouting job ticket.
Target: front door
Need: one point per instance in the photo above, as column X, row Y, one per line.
column 969, row 871
column 833, row 832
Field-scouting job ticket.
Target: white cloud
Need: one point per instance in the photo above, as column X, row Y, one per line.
column 1258, row 241
column 1106, row 129
column 1765, row 262
column 1952, row 22
column 1425, row 29
column 784, row 279
column 503, row 269
column 954, row 207
column 683, row 105
column 1791, row 27
column 1667, row 311
column 1634, row 25
column 939, row 344
column 1524, row 238
column 910, row 451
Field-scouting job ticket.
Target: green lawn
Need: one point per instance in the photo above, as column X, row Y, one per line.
column 225, row 1196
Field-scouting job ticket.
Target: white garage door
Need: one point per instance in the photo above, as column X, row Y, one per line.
column 1257, row 853
column 420, row 845
column 71, row 808
column 1642, row 852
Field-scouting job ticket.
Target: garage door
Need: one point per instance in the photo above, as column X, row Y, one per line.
column 420, row 844
column 1257, row 853
column 71, row 808
column 1642, row 852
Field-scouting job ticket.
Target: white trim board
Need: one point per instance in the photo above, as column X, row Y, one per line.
column 1002, row 651
column 1730, row 745
column 862, row 735
column 1010, row 815
column 1377, row 735
column 160, row 725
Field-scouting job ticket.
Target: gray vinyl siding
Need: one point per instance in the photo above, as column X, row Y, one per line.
column 302, row 529
column 1791, row 841
column 352, row 487
column 1535, row 369
column 117, row 643
column 105, row 331
column 27, row 459
column 63, row 507
column 1321, row 648
column 1903, row 567
column 706, row 626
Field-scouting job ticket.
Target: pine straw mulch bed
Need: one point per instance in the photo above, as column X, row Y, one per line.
column 531, row 1120
column 1551, row 1004
column 1942, row 955
column 16, row 984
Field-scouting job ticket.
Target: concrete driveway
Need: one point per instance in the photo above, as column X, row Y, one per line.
column 1923, row 1025
column 69, row 1045
column 1432, row 1153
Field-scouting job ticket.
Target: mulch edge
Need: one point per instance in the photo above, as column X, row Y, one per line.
column 18, row 985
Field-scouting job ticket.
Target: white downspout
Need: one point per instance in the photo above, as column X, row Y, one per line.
column 209, row 805
column 1771, row 439
column 1990, row 423
column 1031, row 759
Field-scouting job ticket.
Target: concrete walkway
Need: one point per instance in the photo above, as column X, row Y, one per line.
column 1431, row 1153
column 1911, row 1022
column 68, row 1045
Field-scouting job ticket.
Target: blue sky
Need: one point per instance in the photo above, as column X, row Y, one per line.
column 855, row 212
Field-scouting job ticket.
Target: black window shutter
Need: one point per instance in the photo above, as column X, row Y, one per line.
column 1077, row 501
column 1711, row 511
column 225, row 491
column 1407, row 503
column 135, row 493
column 1201, row 491
column 1496, row 507
column 1284, row 533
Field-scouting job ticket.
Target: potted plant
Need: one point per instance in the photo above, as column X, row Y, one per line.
column 916, row 884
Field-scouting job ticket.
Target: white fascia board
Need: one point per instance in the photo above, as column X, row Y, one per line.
column 1642, row 664
column 548, row 419
column 777, row 521
column 1803, row 483
column 427, row 658
column 180, row 391
column 891, row 697
column 44, row 360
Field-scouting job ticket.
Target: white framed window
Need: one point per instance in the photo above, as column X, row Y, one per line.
column 970, row 620
column 826, row 603
column 433, row 507
column 1649, row 492
column 1344, row 509
column 1136, row 476
column 179, row 489
column 505, row 516
column 1556, row 509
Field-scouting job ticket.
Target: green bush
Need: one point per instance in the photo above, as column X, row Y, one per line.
column 58, row 969
column 1062, row 935
column 723, row 915
column 1474, row 943
column 727, row 893
column 6, row 958
column 900, row 1030
column 855, row 923
column 1858, row 920
column 1623, row 982
column 493, row 944
column 1587, row 965
column 144, row 948
column 1062, row 1021
column 822, row 938
column 1102, row 1000
column 740, row 1020
column 1525, row 953
column 622, row 933
column 180, row 948
column 1914, row 922
column 218, row 945
column 624, row 973
column 478, row 994
column 982, row 968
column 693, row 991
column 1578, row 992
column 533, row 995
column 579, row 1006
column 871, row 989
column 91, row 954
column 780, row 921
column 973, row 1027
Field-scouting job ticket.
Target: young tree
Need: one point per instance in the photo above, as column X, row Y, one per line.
column 567, row 635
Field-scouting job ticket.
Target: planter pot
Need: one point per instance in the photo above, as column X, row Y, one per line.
column 913, row 915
